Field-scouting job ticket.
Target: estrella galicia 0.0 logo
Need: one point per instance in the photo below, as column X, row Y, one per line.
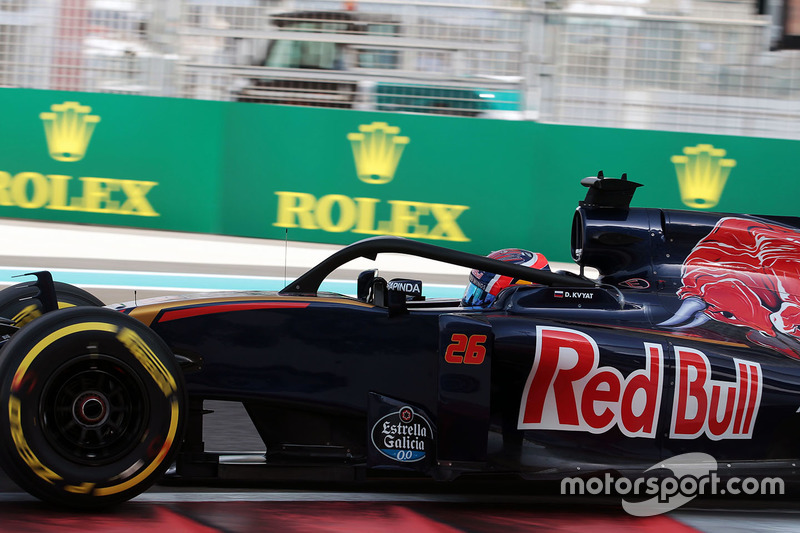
column 402, row 435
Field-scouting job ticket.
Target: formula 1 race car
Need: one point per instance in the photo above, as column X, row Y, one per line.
column 687, row 341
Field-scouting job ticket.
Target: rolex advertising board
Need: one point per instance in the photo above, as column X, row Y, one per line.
column 690, row 171
column 342, row 176
column 338, row 176
column 108, row 159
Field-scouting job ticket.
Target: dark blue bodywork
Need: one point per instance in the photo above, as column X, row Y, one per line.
column 385, row 381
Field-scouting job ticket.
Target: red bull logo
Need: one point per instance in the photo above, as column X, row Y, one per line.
column 745, row 273
column 568, row 390
column 716, row 409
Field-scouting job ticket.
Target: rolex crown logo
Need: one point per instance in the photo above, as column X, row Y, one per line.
column 68, row 128
column 702, row 173
column 377, row 148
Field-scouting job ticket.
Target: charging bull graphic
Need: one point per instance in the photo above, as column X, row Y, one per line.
column 745, row 273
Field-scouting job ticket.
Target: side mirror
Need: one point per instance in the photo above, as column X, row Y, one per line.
column 392, row 295
column 401, row 291
column 396, row 303
column 412, row 288
column 378, row 295
column 363, row 284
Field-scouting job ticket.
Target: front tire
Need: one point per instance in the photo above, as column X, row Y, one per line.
column 92, row 407
column 19, row 303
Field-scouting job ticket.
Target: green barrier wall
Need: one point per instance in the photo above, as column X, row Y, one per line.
column 149, row 162
column 338, row 176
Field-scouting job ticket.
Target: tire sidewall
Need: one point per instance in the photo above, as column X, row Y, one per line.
column 30, row 366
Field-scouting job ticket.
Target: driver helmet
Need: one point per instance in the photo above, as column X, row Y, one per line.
column 484, row 286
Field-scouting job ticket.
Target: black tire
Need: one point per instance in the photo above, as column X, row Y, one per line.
column 92, row 407
column 18, row 302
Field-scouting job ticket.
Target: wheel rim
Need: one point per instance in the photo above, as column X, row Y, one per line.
column 94, row 409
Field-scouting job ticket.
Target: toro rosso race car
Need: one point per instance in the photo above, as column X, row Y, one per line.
column 687, row 341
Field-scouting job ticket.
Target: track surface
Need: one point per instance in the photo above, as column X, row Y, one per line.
column 406, row 509
column 110, row 262
column 344, row 517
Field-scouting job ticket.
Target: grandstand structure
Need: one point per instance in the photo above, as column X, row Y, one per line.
column 704, row 66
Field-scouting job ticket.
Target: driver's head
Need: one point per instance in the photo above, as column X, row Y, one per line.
column 484, row 286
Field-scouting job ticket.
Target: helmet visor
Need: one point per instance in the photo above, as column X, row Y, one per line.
column 474, row 296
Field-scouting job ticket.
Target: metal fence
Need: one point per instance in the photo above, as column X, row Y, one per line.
column 701, row 66
column 677, row 73
column 414, row 57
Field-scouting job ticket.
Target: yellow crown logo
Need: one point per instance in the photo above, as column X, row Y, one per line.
column 377, row 150
column 68, row 128
column 702, row 173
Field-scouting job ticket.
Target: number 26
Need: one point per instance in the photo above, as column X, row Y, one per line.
column 467, row 350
